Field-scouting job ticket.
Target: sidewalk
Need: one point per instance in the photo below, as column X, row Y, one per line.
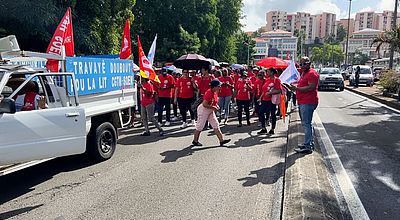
column 308, row 192
column 376, row 94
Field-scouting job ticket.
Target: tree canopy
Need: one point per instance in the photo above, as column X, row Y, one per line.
column 97, row 24
column 208, row 27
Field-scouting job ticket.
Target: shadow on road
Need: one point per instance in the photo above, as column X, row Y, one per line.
column 21, row 182
column 269, row 175
column 174, row 155
column 10, row 214
column 371, row 152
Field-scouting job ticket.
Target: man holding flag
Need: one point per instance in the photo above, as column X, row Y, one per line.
column 307, row 96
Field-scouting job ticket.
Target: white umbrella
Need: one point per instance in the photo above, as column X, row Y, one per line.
column 213, row 62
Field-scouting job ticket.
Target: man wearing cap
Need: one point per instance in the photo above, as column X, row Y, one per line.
column 307, row 98
column 206, row 112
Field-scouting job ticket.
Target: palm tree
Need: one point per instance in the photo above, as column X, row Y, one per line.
column 390, row 38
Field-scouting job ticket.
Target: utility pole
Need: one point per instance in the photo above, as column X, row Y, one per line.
column 248, row 54
column 396, row 2
column 347, row 39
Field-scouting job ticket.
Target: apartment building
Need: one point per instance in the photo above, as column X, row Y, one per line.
column 344, row 23
column 366, row 20
column 312, row 26
column 276, row 20
column 326, row 25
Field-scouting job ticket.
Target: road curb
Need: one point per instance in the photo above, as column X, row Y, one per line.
column 375, row 98
column 308, row 193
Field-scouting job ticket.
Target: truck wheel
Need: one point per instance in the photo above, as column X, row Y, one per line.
column 103, row 142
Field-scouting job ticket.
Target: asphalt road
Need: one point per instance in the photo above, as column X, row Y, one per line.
column 157, row 178
column 366, row 137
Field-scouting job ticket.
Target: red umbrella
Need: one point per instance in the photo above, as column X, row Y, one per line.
column 274, row 62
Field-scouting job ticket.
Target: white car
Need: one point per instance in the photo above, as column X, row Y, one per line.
column 366, row 76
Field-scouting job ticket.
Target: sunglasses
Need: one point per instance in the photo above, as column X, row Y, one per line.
column 304, row 64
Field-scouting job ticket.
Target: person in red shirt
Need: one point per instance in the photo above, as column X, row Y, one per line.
column 184, row 96
column 203, row 82
column 243, row 88
column 307, row 98
column 225, row 95
column 259, row 83
column 147, row 94
column 206, row 112
column 164, row 92
column 175, row 105
column 236, row 75
column 272, row 86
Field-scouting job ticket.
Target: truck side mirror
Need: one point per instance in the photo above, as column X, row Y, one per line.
column 7, row 105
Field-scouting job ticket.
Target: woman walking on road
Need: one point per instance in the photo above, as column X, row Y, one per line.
column 206, row 112
column 272, row 86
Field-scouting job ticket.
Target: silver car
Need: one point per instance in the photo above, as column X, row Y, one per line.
column 330, row 78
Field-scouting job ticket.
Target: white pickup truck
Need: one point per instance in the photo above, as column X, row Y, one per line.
column 85, row 106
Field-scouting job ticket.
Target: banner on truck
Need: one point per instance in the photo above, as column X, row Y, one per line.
column 94, row 75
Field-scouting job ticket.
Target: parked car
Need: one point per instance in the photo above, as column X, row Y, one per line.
column 366, row 76
column 330, row 78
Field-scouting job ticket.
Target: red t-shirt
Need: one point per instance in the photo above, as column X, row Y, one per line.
column 166, row 84
column 204, row 83
column 185, row 87
column 225, row 89
column 310, row 97
column 243, row 93
column 268, row 85
column 147, row 99
column 258, row 86
column 211, row 97
column 236, row 77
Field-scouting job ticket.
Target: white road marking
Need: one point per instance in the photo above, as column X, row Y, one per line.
column 348, row 191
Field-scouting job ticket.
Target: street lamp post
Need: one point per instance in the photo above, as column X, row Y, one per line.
column 347, row 38
column 396, row 2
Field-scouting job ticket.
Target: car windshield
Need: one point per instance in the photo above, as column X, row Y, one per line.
column 365, row 71
column 329, row 71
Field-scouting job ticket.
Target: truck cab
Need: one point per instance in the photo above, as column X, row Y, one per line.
column 44, row 115
column 58, row 129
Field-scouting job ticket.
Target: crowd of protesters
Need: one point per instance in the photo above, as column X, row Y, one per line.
column 210, row 96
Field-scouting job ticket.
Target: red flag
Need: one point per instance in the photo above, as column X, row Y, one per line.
column 146, row 69
column 126, row 49
column 282, row 107
column 63, row 36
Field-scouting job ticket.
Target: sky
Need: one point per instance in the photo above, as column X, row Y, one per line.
column 254, row 11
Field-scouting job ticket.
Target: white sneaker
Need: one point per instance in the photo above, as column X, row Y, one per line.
column 174, row 119
column 184, row 125
column 167, row 123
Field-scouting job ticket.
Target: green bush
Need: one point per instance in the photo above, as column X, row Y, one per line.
column 389, row 81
